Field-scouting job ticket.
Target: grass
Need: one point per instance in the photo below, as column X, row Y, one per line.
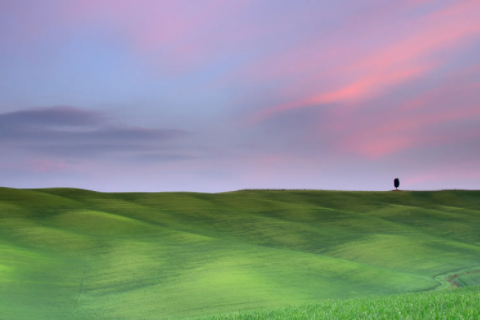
column 456, row 304
column 78, row 254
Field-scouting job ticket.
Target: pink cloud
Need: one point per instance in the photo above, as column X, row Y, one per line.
column 375, row 148
column 419, row 178
column 462, row 170
column 391, row 65
column 43, row 165
column 313, row 56
column 36, row 165
column 364, row 88
column 182, row 32
column 402, row 128
column 370, row 85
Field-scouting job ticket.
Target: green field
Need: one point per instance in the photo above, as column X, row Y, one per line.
column 458, row 304
column 78, row 254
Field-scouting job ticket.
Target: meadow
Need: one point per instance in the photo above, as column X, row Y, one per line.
column 79, row 254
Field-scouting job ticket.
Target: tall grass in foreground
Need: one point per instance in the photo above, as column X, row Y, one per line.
column 458, row 304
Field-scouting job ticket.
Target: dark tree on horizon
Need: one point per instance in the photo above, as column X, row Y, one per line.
column 396, row 183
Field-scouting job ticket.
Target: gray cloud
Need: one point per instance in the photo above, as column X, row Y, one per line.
column 72, row 132
column 106, row 134
column 87, row 150
column 61, row 116
column 161, row 157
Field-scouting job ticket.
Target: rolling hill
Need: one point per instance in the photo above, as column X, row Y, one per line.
column 79, row 254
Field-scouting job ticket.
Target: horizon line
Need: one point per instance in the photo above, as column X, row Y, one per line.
column 246, row 189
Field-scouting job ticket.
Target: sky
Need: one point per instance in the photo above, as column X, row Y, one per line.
column 217, row 95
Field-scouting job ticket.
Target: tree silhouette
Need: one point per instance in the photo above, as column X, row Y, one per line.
column 396, row 183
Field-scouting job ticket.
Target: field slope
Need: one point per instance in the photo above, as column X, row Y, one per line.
column 78, row 254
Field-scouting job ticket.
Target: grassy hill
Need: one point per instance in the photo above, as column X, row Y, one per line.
column 78, row 254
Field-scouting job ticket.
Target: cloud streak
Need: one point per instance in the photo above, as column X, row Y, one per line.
column 65, row 131
column 414, row 123
column 58, row 116
column 394, row 64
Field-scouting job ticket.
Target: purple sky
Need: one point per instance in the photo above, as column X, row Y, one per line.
column 217, row 95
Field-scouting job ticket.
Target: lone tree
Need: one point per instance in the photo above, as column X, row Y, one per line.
column 396, row 183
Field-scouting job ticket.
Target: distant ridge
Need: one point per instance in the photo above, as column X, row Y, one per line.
column 247, row 189
column 355, row 190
